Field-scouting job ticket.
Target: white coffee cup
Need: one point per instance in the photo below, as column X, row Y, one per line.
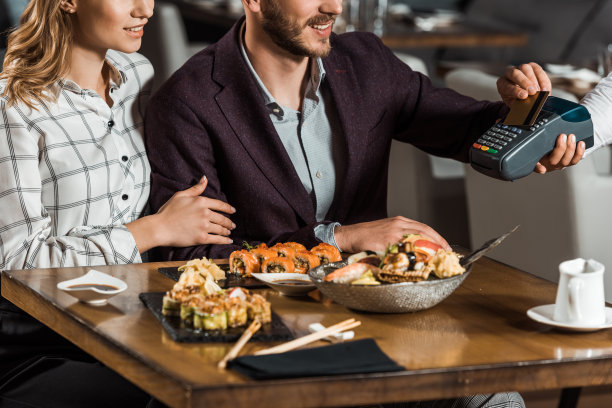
column 580, row 296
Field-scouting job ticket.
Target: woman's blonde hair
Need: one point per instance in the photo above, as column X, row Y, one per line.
column 38, row 53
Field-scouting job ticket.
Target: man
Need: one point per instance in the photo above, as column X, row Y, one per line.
column 292, row 125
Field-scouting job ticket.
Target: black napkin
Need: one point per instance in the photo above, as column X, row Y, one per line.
column 355, row 357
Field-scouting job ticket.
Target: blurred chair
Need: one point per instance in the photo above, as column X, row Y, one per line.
column 549, row 37
column 416, row 63
column 562, row 215
column 165, row 42
column 427, row 188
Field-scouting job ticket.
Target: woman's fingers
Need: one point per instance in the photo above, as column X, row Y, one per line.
column 216, row 239
column 217, row 218
column 218, row 205
column 195, row 190
column 217, row 229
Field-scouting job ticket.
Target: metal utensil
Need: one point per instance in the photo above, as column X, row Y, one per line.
column 486, row 247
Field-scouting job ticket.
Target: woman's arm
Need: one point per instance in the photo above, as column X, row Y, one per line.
column 186, row 219
column 28, row 234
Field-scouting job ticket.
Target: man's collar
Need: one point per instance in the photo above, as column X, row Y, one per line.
column 317, row 75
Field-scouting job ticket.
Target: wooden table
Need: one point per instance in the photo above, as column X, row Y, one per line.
column 400, row 35
column 478, row 340
column 460, row 34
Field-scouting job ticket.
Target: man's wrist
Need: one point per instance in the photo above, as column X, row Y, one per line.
column 339, row 239
column 326, row 233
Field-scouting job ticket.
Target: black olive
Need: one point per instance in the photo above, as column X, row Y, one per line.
column 412, row 260
column 401, row 247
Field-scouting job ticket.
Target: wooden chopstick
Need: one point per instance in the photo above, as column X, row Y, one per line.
column 293, row 344
column 246, row 336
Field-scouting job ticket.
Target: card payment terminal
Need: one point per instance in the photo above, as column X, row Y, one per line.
column 510, row 152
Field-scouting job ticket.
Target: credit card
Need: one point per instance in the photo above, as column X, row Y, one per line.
column 524, row 112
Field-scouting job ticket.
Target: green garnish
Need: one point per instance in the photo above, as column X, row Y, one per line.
column 248, row 246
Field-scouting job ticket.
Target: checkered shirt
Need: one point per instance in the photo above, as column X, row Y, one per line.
column 73, row 173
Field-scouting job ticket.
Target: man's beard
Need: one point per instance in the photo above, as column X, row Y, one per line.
column 286, row 33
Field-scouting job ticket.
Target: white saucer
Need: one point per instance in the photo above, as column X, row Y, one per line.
column 289, row 284
column 544, row 314
column 81, row 288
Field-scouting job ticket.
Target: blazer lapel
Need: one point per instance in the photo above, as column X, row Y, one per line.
column 242, row 105
column 345, row 88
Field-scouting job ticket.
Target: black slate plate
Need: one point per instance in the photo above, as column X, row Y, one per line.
column 231, row 281
column 273, row 331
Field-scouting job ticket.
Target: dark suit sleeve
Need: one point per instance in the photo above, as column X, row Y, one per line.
column 180, row 153
column 437, row 120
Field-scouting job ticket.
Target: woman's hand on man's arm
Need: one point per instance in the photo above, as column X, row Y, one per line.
column 186, row 219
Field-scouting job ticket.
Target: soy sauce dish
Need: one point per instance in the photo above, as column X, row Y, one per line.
column 94, row 287
column 289, row 284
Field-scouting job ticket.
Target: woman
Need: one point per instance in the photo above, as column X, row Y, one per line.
column 74, row 177
column 74, row 174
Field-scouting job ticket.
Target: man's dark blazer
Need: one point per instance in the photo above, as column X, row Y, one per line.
column 209, row 119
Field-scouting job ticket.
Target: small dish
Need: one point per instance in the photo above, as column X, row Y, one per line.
column 544, row 314
column 289, row 284
column 94, row 287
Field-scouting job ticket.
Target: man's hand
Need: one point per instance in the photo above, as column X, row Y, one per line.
column 376, row 235
column 566, row 153
column 527, row 79
column 518, row 83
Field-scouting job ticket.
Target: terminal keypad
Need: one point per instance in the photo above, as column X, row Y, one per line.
column 497, row 137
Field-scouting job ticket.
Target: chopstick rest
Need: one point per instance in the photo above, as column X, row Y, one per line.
column 246, row 336
column 302, row 341
column 317, row 327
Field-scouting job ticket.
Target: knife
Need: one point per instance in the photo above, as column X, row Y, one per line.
column 486, row 247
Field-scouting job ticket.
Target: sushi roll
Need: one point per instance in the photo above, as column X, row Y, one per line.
column 263, row 253
column 326, row 253
column 295, row 245
column 210, row 317
column 278, row 265
column 305, row 261
column 187, row 310
column 236, row 311
column 243, row 263
column 259, row 308
column 284, row 250
column 170, row 305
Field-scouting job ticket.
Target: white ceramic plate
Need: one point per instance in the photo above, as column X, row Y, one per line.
column 290, row 284
column 544, row 314
column 94, row 287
